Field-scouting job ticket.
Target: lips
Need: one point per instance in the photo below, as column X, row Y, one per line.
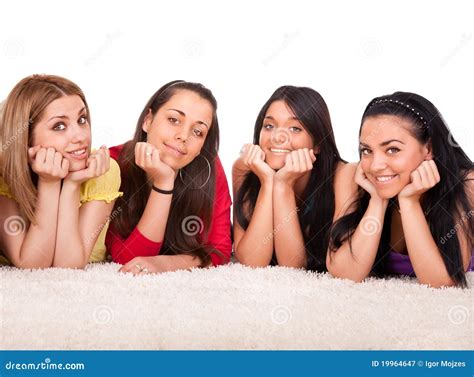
column 79, row 154
column 177, row 151
column 278, row 150
column 385, row 179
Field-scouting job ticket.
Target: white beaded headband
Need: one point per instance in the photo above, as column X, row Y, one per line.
column 402, row 104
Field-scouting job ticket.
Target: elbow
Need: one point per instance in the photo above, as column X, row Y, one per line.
column 26, row 265
column 344, row 274
column 438, row 283
column 79, row 265
column 292, row 263
column 248, row 261
column 79, row 262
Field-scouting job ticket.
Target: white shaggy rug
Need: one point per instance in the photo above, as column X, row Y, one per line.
column 230, row 307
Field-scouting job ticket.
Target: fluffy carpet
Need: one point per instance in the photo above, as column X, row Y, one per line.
column 230, row 307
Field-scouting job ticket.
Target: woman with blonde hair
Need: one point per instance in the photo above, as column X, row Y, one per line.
column 55, row 194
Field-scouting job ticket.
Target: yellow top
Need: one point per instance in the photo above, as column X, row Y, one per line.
column 106, row 188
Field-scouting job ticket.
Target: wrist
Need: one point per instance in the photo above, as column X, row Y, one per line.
column 266, row 180
column 282, row 186
column 379, row 202
column 164, row 184
column 408, row 202
column 71, row 186
column 46, row 182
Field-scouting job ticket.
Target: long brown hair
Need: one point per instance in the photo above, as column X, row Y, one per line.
column 190, row 215
column 22, row 109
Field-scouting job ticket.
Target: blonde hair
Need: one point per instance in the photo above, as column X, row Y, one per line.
column 22, row 109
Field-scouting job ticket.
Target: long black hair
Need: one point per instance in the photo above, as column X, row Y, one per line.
column 190, row 214
column 446, row 205
column 317, row 211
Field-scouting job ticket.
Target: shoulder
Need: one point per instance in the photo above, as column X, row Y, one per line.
column 222, row 194
column 469, row 184
column 221, row 178
column 5, row 190
column 115, row 151
column 345, row 173
column 345, row 187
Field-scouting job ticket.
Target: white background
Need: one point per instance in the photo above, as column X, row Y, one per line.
column 120, row 53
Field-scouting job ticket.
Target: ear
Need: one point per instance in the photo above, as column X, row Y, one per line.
column 147, row 121
column 316, row 149
column 428, row 149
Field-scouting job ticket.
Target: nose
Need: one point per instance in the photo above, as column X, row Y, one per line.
column 79, row 133
column 183, row 134
column 378, row 162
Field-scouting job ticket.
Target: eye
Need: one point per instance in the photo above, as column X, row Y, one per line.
column 173, row 120
column 268, row 126
column 295, row 129
column 82, row 120
column 364, row 151
column 59, row 127
column 198, row 132
column 393, row 150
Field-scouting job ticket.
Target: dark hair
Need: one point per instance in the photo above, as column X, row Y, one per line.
column 190, row 207
column 445, row 204
column 318, row 209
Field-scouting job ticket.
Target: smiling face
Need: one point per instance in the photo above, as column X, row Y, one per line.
column 64, row 126
column 389, row 153
column 179, row 128
column 282, row 133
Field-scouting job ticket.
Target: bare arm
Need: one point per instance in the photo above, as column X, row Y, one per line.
column 254, row 246
column 356, row 264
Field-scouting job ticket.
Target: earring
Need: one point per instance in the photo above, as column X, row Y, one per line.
column 205, row 182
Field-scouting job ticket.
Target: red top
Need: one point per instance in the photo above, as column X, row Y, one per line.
column 137, row 245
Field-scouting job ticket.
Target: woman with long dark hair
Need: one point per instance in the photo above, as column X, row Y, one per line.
column 410, row 205
column 283, row 183
column 175, row 211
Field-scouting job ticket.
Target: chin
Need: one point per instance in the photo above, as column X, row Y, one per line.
column 172, row 163
column 275, row 165
column 76, row 166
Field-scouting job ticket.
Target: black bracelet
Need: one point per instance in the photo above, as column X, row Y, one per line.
column 166, row 192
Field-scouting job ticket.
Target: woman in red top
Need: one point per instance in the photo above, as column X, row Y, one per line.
column 175, row 211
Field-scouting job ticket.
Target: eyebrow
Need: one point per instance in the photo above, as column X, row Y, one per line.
column 65, row 116
column 289, row 118
column 383, row 144
column 183, row 114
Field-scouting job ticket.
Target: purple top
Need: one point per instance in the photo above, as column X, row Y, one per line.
column 400, row 264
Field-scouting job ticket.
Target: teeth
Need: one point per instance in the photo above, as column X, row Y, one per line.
column 385, row 178
column 279, row 150
column 78, row 152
